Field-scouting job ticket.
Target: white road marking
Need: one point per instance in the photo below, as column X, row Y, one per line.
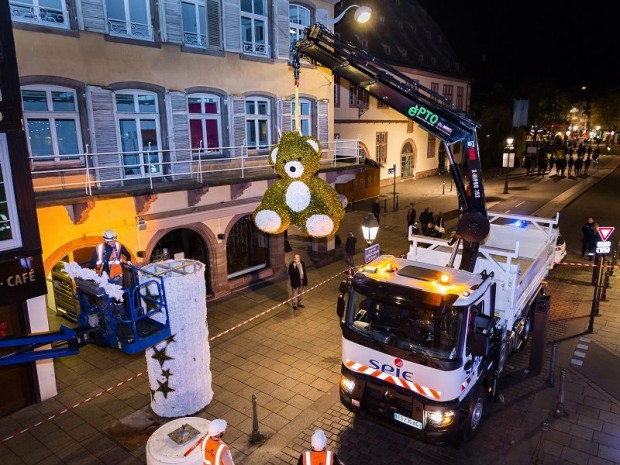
column 520, row 203
column 507, row 211
column 582, row 346
column 580, row 354
column 576, row 362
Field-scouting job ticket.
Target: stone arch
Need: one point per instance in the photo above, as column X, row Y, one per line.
column 409, row 150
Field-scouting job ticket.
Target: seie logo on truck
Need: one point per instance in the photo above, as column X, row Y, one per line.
column 392, row 370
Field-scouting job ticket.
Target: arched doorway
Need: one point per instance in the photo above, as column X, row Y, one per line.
column 184, row 243
column 247, row 248
column 406, row 161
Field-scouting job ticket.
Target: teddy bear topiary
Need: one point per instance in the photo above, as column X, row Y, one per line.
column 299, row 197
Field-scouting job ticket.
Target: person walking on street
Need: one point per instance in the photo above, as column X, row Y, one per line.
column 349, row 249
column 214, row 450
column 109, row 255
column 318, row 455
column 587, row 230
column 411, row 216
column 299, row 280
column 376, row 210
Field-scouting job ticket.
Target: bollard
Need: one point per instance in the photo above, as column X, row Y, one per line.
column 551, row 377
column 560, row 409
column 255, row 437
column 443, row 188
column 606, row 282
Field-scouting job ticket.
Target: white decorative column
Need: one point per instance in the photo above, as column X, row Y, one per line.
column 179, row 367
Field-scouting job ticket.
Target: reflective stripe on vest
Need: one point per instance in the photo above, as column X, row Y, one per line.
column 211, row 455
column 115, row 256
column 324, row 457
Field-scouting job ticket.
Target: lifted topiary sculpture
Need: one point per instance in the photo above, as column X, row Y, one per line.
column 299, row 197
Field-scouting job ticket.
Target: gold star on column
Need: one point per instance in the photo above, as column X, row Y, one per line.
column 164, row 388
column 160, row 356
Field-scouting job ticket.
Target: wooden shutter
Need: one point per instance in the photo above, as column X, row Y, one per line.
column 238, row 126
column 285, row 108
column 214, row 24
column 103, row 136
column 322, row 16
column 322, row 127
column 172, row 21
column 283, row 24
column 178, row 134
column 93, row 16
column 232, row 26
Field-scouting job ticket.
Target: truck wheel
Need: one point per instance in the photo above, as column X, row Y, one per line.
column 476, row 410
column 527, row 332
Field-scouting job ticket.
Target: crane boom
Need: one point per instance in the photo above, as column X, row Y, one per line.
column 431, row 111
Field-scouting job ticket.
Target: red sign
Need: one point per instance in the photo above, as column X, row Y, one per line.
column 605, row 232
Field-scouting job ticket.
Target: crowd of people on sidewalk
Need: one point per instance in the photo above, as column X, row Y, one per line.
column 570, row 160
column 428, row 224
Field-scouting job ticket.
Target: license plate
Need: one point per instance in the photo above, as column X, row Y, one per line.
column 407, row 420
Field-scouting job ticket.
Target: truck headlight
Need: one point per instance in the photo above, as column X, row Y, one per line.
column 347, row 384
column 440, row 418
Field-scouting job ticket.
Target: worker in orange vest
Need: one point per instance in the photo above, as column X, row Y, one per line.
column 214, row 450
column 319, row 455
column 109, row 255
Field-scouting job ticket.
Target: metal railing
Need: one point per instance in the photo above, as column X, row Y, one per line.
column 34, row 14
column 108, row 171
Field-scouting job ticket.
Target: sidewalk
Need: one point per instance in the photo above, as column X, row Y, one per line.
column 291, row 361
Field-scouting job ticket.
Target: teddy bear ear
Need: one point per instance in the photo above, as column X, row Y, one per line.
column 274, row 155
column 314, row 144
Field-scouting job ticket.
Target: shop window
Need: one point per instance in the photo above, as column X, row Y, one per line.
column 247, row 248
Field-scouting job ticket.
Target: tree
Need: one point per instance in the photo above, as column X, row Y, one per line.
column 605, row 111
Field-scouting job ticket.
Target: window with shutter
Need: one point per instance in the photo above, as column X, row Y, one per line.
column 305, row 116
column 214, row 26
column 93, row 16
column 238, row 127
column 258, row 122
column 172, row 11
column 103, row 135
column 323, row 123
column 205, row 124
column 178, row 128
column 232, row 26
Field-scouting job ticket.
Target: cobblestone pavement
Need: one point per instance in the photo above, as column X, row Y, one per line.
column 291, row 361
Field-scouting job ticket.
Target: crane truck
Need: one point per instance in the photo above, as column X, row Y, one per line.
column 425, row 338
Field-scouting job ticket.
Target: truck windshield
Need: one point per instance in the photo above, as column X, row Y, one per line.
column 428, row 330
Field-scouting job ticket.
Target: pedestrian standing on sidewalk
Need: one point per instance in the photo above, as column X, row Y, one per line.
column 586, row 165
column 411, row 215
column 587, row 230
column 349, row 249
column 318, row 455
column 376, row 210
column 425, row 217
column 592, row 240
column 299, row 280
column 571, row 163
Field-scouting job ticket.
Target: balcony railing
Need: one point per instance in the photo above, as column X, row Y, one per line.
column 257, row 49
column 45, row 16
column 191, row 39
column 93, row 173
column 135, row 30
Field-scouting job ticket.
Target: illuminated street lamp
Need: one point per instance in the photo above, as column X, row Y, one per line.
column 370, row 227
column 362, row 14
column 508, row 160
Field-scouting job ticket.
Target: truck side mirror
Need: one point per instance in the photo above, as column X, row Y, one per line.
column 340, row 306
column 481, row 338
column 343, row 287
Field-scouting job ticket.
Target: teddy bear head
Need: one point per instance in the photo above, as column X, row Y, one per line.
column 296, row 156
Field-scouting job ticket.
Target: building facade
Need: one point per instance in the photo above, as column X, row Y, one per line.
column 155, row 120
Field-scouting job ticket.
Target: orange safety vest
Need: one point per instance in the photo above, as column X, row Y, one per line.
column 212, row 451
column 323, row 457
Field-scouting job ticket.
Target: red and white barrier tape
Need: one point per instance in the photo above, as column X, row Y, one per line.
column 587, row 265
column 136, row 376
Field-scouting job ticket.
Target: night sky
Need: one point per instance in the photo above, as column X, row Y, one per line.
column 534, row 42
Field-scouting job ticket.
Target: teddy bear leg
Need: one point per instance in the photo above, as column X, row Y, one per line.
column 319, row 225
column 271, row 221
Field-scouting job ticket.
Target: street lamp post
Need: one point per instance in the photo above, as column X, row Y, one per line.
column 508, row 160
column 362, row 14
column 370, row 227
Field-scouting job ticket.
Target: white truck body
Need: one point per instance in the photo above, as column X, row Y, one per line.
column 520, row 252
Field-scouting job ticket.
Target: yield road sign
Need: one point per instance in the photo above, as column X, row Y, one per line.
column 605, row 231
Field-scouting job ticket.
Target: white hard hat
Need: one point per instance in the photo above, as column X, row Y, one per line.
column 109, row 235
column 319, row 441
column 216, row 427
